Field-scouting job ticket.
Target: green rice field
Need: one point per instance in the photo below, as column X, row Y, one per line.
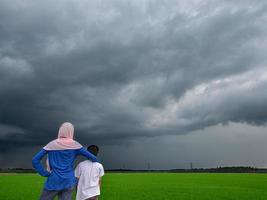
column 152, row 186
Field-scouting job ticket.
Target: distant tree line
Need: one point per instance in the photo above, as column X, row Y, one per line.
column 17, row 170
column 233, row 169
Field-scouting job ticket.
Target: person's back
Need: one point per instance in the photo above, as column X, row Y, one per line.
column 61, row 169
column 61, row 155
column 89, row 174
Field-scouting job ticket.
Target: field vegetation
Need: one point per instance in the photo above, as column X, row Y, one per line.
column 152, row 186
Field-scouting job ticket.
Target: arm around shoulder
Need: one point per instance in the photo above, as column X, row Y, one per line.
column 87, row 154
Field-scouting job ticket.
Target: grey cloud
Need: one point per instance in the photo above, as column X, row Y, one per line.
column 118, row 69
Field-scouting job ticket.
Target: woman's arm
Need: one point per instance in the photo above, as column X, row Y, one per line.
column 87, row 154
column 36, row 163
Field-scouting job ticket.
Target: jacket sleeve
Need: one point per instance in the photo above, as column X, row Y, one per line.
column 36, row 163
column 87, row 154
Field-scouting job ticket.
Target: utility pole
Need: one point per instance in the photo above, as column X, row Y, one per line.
column 148, row 166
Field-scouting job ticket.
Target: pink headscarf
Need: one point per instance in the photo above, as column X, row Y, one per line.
column 65, row 139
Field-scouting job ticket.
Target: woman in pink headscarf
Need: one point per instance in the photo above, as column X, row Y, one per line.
column 61, row 155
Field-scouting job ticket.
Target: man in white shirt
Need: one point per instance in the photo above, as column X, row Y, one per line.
column 89, row 174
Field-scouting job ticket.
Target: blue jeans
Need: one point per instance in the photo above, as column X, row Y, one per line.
column 62, row 194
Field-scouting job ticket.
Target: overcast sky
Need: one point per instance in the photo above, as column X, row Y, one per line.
column 164, row 82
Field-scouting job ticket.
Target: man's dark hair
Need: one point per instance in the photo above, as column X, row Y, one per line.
column 93, row 149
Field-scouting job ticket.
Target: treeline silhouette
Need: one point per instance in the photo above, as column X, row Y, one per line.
column 231, row 169
column 17, row 170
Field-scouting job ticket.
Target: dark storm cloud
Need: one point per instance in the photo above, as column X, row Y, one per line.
column 122, row 69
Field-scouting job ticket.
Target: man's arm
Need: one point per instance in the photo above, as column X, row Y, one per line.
column 100, row 181
column 77, row 171
column 36, row 163
column 101, row 173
